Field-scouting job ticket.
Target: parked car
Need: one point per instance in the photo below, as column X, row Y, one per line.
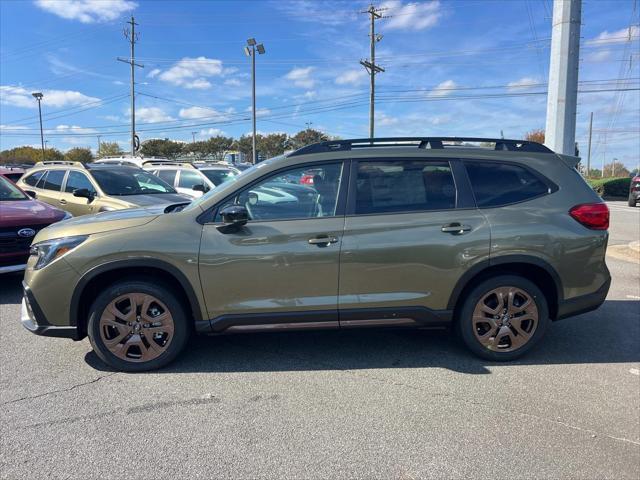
column 426, row 232
column 130, row 161
column 21, row 217
column 93, row 188
column 634, row 191
column 190, row 180
column 12, row 173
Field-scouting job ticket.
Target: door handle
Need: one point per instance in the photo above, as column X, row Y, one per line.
column 456, row 228
column 323, row 240
column 63, row 202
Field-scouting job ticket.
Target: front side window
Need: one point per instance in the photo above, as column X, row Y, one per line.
column 278, row 198
column 189, row 178
column 129, row 181
column 54, row 180
column 8, row 191
column 404, row 186
column 32, row 179
column 76, row 181
column 496, row 184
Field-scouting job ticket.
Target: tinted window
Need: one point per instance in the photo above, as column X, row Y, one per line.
column 219, row 176
column 8, row 191
column 76, row 181
column 189, row 178
column 404, row 186
column 277, row 198
column 54, row 180
column 497, row 184
column 168, row 176
column 33, row 178
column 129, row 181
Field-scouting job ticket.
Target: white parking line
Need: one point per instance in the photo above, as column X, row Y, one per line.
column 635, row 297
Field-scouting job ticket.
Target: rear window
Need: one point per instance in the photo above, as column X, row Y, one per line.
column 495, row 184
column 33, row 178
column 54, row 180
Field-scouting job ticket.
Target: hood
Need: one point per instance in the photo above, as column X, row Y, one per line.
column 20, row 213
column 100, row 222
column 154, row 199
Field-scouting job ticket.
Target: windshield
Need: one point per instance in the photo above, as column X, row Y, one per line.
column 219, row 176
column 8, row 191
column 115, row 181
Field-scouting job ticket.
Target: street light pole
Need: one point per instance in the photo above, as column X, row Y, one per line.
column 38, row 96
column 250, row 51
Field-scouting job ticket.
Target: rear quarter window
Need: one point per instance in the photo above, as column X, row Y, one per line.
column 495, row 184
column 32, row 179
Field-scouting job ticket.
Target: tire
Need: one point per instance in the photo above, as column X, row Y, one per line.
column 113, row 327
column 479, row 330
column 632, row 201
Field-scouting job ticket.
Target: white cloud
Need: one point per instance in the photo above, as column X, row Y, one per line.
column 599, row 55
column 301, row 77
column 443, row 89
column 12, row 127
column 152, row 115
column 383, row 120
column 192, row 72
column 154, row 73
column 310, row 94
column 261, row 112
column 351, row 77
column 619, row 36
column 412, row 15
column 73, row 129
column 524, row 82
column 192, row 113
column 87, row 11
column 211, row 132
column 21, row 97
column 233, row 82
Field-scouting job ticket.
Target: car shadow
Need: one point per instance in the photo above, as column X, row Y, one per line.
column 610, row 334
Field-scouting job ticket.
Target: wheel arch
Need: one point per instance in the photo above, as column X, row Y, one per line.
column 533, row 268
column 108, row 273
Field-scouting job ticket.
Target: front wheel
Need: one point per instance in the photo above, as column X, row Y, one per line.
column 632, row 201
column 503, row 318
column 137, row 325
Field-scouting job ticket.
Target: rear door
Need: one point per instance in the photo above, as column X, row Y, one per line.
column 411, row 231
column 77, row 205
column 187, row 179
column 50, row 186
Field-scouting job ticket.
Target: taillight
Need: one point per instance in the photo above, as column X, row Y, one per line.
column 592, row 215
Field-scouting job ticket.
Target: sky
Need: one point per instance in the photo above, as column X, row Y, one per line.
column 452, row 68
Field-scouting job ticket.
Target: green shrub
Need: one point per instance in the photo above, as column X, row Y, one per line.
column 610, row 187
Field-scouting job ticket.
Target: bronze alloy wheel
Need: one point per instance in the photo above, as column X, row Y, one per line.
column 136, row 327
column 505, row 319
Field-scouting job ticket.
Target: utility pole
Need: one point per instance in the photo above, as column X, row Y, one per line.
column 370, row 65
column 308, row 124
column 560, row 131
column 193, row 137
column 132, row 36
column 38, row 96
column 589, row 148
column 250, row 51
column 98, row 151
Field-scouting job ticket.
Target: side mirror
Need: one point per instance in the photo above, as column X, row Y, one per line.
column 199, row 188
column 31, row 193
column 84, row 193
column 236, row 215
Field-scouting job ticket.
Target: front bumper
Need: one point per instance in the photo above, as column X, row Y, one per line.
column 13, row 268
column 583, row 303
column 34, row 320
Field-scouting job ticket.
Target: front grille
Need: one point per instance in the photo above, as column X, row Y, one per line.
column 11, row 242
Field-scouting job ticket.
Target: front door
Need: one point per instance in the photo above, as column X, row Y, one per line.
column 408, row 239
column 78, row 205
column 280, row 270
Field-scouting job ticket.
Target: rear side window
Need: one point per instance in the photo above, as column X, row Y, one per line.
column 32, row 179
column 54, row 180
column 404, row 186
column 167, row 175
column 496, row 184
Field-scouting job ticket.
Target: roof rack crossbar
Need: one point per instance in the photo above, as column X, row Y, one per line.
column 60, row 162
column 420, row 142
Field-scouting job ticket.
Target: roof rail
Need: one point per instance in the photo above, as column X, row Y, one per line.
column 169, row 164
column 421, row 142
column 60, row 162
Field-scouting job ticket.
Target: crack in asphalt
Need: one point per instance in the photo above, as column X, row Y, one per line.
column 52, row 392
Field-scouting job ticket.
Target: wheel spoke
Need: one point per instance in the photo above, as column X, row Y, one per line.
column 112, row 342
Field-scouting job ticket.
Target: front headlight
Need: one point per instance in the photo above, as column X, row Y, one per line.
column 47, row 251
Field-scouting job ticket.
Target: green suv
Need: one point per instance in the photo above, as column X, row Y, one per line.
column 495, row 238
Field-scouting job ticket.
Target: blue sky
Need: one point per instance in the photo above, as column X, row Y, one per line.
column 453, row 67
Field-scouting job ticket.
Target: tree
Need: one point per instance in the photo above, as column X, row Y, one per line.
column 615, row 169
column 109, row 149
column 273, row 144
column 161, row 148
column 536, row 135
column 82, row 155
column 307, row 137
column 29, row 154
column 594, row 173
column 217, row 147
column 244, row 144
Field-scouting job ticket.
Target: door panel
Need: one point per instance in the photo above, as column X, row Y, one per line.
column 77, row 205
column 50, row 188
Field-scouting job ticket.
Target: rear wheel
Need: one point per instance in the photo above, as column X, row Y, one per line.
column 137, row 325
column 632, row 201
column 503, row 318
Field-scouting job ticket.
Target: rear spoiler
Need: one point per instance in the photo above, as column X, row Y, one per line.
column 570, row 160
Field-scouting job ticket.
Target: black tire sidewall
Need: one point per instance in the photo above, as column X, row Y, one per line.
column 160, row 291
column 464, row 325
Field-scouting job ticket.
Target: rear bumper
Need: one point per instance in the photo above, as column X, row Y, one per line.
column 34, row 320
column 583, row 303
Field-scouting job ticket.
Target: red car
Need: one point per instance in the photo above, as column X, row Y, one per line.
column 21, row 217
column 634, row 191
column 12, row 173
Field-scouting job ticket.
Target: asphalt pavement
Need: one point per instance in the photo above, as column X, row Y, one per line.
column 366, row 404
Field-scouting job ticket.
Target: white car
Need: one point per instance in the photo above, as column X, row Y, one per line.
column 189, row 180
column 140, row 162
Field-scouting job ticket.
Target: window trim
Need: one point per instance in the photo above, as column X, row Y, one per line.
column 212, row 211
column 41, row 172
column 62, row 183
column 351, row 202
column 66, row 179
column 551, row 186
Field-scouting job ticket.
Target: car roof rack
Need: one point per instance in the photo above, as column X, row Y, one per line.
column 59, row 162
column 421, row 142
column 169, row 164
